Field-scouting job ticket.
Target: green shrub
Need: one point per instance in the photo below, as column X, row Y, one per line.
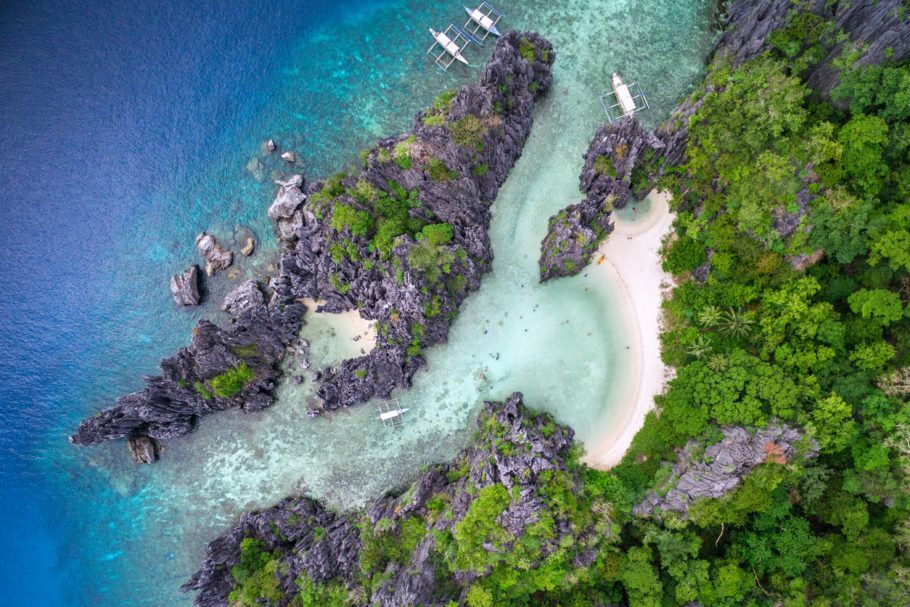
column 467, row 132
column 345, row 216
column 527, row 50
column 255, row 579
column 603, row 165
column 481, row 169
column 437, row 233
column 232, row 381
column 438, row 171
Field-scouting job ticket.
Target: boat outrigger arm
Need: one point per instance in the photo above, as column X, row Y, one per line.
column 449, row 45
column 391, row 413
column 482, row 21
column 623, row 100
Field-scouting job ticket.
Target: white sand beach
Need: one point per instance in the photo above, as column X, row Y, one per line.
column 354, row 334
column 631, row 265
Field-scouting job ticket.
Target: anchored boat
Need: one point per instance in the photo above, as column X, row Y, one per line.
column 623, row 100
column 485, row 17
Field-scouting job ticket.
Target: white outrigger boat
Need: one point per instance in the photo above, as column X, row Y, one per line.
column 628, row 99
column 391, row 412
column 451, row 43
column 484, row 17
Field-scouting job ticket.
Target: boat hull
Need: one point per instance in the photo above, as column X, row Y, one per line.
column 482, row 20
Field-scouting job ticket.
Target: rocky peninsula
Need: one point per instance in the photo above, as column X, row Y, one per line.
column 429, row 544
column 404, row 242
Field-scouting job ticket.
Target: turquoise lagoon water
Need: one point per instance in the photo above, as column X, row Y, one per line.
column 128, row 129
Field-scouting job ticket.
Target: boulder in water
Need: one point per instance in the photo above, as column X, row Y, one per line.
column 289, row 157
column 270, row 146
column 248, row 248
column 216, row 257
column 185, row 287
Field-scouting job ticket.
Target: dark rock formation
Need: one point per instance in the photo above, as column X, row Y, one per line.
column 170, row 404
column 285, row 210
column 143, row 449
column 311, row 541
column 880, row 30
column 185, row 287
column 216, row 258
column 413, row 304
column 245, row 296
column 722, row 467
column 606, row 180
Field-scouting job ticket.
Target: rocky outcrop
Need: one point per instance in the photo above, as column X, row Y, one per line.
column 513, row 448
column 414, row 304
column 170, row 404
column 286, row 208
column 185, row 287
column 723, row 466
column 215, row 256
column 879, row 30
column 606, row 180
column 245, row 296
column 143, row 449
column 485, row 125
column 289, row 157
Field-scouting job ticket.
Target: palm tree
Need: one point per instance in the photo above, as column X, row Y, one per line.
column 737, row 323
column 709, row 316
column 717, row 363
column 699, row 347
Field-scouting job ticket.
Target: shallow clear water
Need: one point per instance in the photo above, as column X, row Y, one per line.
column 127, row 130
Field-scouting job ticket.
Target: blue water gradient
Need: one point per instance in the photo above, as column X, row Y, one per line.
column 125, row 129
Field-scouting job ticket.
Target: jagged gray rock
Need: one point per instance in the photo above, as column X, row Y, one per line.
column 880, row 30
column 143, row 449
column 215, row 256
column 289, row 529
column 606, row 180
column 261, row 331
column 244, row 296
column 185, row 287
column 723, row 466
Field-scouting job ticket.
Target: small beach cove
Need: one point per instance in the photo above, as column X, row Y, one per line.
column 629, row 261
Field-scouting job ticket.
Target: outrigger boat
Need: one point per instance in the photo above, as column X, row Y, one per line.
column 628, row 99
column 390, row 413
column 451, row 42
column 448, row 45
column 484, row 17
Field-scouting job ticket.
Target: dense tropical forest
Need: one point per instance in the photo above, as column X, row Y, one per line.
column 792, row 255
column 791, row 252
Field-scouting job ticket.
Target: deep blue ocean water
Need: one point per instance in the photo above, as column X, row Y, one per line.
column 125, row 129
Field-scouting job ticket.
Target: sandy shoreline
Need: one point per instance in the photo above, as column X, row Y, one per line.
column 631, row 267
column 350, row 326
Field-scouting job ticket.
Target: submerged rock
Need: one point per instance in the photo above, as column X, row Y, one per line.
column 247, row 249
column 216, row 258
column 185, row 287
